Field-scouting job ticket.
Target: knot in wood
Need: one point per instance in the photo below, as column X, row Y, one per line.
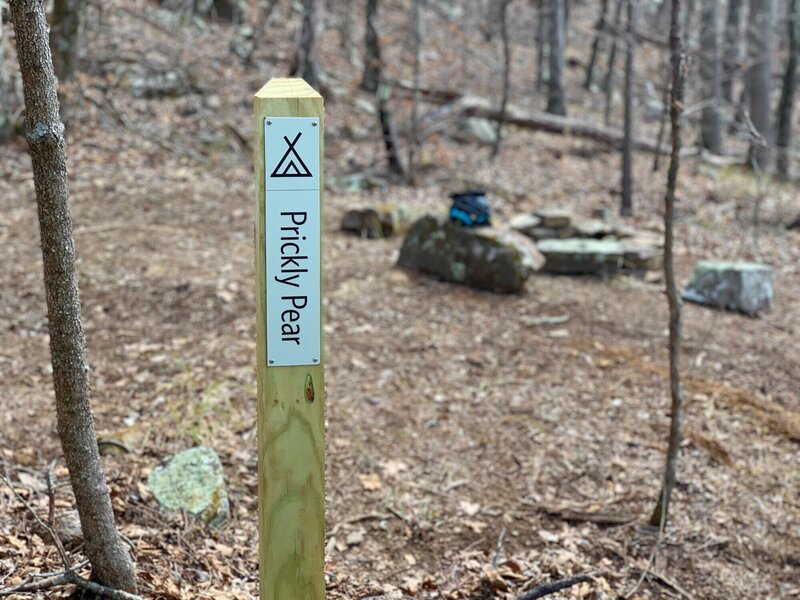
column 38, row 133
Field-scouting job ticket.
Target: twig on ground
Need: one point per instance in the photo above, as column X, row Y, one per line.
column 46, row 527
column 66, row 578
column 51, row 494
column 498, row 549
column 558, row 585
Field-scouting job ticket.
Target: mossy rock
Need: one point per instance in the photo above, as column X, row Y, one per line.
column 193, row 481
column 484, row 258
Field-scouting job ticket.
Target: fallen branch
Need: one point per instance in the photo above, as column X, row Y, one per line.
column 558, row 585
column 453, row 104
column 69, row 577
column 66, row 577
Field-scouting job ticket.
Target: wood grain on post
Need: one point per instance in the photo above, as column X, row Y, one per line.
column 291, row 407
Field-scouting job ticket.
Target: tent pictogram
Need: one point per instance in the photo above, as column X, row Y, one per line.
column 292, row 168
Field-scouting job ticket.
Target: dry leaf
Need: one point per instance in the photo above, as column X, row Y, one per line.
column 370, row 481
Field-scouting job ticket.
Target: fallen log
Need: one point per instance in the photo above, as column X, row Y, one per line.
column 453, row 104
column 470, row 106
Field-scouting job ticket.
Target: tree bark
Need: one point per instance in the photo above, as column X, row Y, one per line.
column 711, row 75
column 786, row 106
column 661, row 511
column 396, row 166
column 111, row 564
column 506, row 74
column 608, row 82
column 626, row 205
column 414, row 141
column 305, row 61
column 66, row 36
column 759, row 81
column 372, row 50
column 601, row 31
column 542, row 44
column 733, row 52
column 555, row 81
column 6, row 128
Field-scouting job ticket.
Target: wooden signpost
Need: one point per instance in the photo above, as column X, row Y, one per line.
column 291, row 408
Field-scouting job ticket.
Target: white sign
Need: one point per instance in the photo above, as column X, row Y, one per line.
column 293, row 241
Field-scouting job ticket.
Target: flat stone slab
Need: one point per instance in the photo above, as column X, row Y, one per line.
column 193, row 481
column 484, row 258
column 375, row 223
column 578, row 256
column 738, row 286
column 555, row 218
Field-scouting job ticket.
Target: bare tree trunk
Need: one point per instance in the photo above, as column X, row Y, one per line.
column 661, row 511
column 608, row 82
column 542, row 44
column 601, row 31
column 733, row 52
column 626, row 206
column 662, row 125
column 305, row 61
column 416, row 28
column 759, row 81
column 110, row 562
column 711, row 75
column 506, row 74
column 66, row 36
column 6, row 128
column 785, row 108
column 396, row 166
column 555, row 81
column 372, row 51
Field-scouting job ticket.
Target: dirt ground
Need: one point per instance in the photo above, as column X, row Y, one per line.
column 473, row 448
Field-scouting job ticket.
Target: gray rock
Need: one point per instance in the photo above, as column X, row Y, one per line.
column 193, row 481
column 531, row 226
column 576, row 256
column 479, row 130
column 525, row 223
column 554, row 217
column 738, row 286
column 168, row 84
column 640, row 257
column 485, row 258
column 591, row 228
column 375, row 223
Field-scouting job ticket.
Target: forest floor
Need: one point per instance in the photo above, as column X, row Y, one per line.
column 473, row 448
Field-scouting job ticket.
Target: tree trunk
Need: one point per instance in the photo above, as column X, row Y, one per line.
column 542, row 44
column 110, row 562
column 659, row 516
column 733, row 52
column 506, row 74
column 711, row 75
column 389, row 132
column 372, row 50
column 555, row 82
column 66, row 36
column 785, row 108
column 608, row 82
column 414, row 141
column 759, row 81
column 626, row 206
column 305, row 61
column 6, row 128
column 601, row 32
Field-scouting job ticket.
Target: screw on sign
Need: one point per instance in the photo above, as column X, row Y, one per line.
column 290, row 357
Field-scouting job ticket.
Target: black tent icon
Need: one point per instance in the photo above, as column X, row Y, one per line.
column 295, row 167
